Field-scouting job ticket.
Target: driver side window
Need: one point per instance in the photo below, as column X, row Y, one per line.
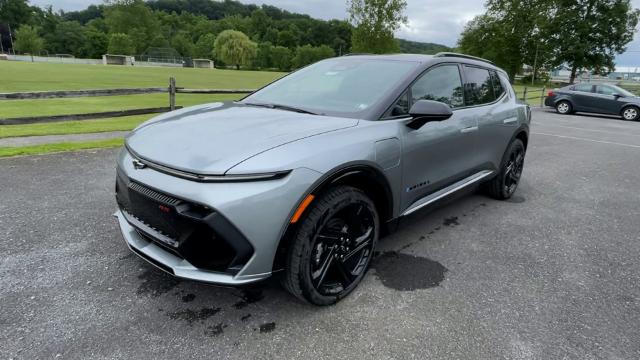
column 442, row 83
column 605, row 90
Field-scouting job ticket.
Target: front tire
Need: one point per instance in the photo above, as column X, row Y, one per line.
column 564, row 107
column 506, row 182
column 631, row 113
column 332, row 248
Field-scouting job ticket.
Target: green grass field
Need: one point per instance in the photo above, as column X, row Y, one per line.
column 24, row 76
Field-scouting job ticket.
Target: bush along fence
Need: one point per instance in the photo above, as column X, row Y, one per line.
column 532, row 96
column 172, row 90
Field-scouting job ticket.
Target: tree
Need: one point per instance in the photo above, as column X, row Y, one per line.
column 511, row 33
column 67, row 38
column 595, row 32
column 14, row 12
column 204, row 46
column 183, row 44
column 375, row 22
column 120, row 44
column 234, row 47
column 96, row 43
column 281, row 58
column 135, row 19
column 28, row 40
column 263, row 56
column 308, row 54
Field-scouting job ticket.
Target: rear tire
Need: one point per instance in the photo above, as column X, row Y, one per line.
column 631, row 113
column 564, row 107
column 332, row 248
column 506, row 182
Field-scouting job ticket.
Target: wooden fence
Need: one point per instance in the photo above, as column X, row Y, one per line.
column 172, row 90
column 527, row 98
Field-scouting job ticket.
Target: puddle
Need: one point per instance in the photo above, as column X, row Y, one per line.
column 451, row 221
column 215, row 330
column 249, row 296
column 191, row 316
column 268, row 327
column 407, row 272
column 155, row 283
column 516, row 199
column 189, row 298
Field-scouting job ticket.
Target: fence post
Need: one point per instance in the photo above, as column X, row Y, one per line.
column 542, row 97
column 524, row 96
column 172, row 93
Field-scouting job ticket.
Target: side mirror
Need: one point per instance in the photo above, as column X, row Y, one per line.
column 617, row 96
column 424, row 111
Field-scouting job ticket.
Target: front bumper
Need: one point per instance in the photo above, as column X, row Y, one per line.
column 172, row 264
column 255, row 213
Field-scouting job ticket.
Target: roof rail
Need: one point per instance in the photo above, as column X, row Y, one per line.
column 452, row 54
column 356, row 54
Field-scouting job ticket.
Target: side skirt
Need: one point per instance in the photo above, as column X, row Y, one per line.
column 433, row 197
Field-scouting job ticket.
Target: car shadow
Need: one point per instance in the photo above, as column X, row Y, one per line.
column 589, row 115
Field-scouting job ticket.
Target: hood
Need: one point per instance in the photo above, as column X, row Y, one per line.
column 210, row 139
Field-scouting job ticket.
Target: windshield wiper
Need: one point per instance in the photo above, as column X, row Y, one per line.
column 282, row 107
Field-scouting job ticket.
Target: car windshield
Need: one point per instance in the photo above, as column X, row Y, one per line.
column 339, row 86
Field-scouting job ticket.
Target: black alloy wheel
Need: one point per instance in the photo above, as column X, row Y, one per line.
column 503, row 185
column 513, row 171
column 333, row 247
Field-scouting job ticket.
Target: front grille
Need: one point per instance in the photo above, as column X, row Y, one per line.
column 166, row 199
column 190, row 231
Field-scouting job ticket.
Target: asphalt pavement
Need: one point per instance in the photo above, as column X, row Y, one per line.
column 552, row 273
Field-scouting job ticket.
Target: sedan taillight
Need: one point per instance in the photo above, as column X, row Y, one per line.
column 550, row 94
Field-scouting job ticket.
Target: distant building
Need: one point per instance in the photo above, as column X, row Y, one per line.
column 625, row 73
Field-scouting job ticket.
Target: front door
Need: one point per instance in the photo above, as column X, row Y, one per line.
column 605, row 101
column 440, row 152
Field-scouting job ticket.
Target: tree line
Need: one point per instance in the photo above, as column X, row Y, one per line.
column 232, row 33
column 583, row 34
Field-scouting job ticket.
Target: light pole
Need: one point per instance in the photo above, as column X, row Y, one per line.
column 11, row 39
column 535, row 63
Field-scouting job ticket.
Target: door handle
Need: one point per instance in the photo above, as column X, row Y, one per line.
column 510, row 120
column 469, row 129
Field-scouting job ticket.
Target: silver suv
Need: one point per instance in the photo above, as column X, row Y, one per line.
column 303, row 175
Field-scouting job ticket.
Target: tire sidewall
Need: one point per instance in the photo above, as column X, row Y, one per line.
column 564, row 102
column 314, row 221
column 631, row 107
column 516, row 143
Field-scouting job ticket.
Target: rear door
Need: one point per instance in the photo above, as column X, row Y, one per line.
column 497, row 119
column 582, row 97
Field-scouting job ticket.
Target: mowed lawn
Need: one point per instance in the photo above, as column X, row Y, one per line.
column 24, row 76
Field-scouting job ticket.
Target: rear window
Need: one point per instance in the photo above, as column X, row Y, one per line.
column 583, row 87
column 498, row 88
column 478, row 86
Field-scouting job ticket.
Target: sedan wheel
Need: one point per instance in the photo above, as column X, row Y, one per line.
column 333, row 247
column 563, row 107
column 630, row 113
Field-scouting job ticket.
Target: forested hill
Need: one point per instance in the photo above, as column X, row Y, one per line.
column 414, row 47
column 218, row 10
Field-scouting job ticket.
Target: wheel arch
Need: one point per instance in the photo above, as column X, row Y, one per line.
column 626, row 106
column 523, row 135
column 364, row 176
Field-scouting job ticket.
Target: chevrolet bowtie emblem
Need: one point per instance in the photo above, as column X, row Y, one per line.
column 138, row 164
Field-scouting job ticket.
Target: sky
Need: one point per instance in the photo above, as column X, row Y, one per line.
column 436, row 21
